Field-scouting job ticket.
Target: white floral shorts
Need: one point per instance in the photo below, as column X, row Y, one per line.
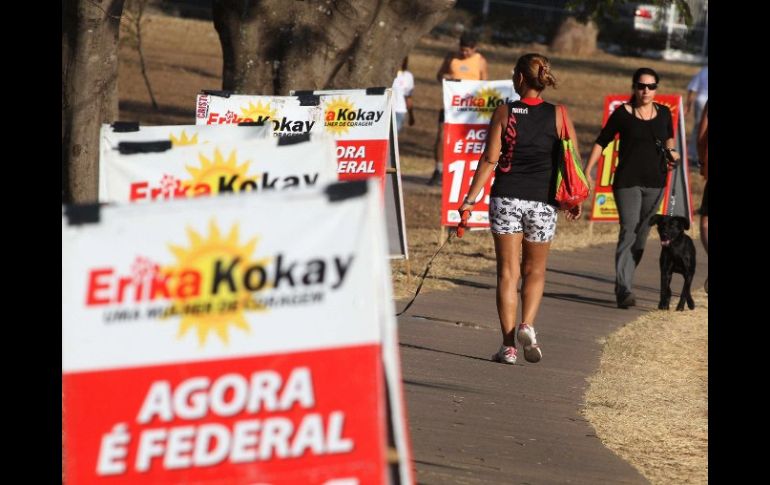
column 537, row 220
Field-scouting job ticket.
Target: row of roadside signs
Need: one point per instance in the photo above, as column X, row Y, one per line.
column 202, row 339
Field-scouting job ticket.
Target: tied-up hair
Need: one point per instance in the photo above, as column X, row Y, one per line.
column 536, row 69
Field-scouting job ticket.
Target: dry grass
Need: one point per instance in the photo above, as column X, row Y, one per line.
column 649, row 400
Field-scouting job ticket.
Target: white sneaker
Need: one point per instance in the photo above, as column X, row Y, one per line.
column 528, row 340
column 506, row 355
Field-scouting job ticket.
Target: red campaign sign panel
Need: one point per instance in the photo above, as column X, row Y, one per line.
column 362, row 159
column 203, row 344
column 280, row 419
column 603, row 206
column 359, row 120
column 355, row 120
column 463, row 146
column 468, row 109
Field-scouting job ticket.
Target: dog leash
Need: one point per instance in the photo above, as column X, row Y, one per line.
column 464, row 215
column 673, row 190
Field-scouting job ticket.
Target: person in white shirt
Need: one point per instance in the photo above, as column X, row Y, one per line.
column 403, row 86
column 697, row 95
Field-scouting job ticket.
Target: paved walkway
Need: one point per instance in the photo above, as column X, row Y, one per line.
column 477, row 421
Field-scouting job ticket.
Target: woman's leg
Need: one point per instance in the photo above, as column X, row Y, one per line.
column 539, row 225
column 400, row 117
column 438, row 152
column 533, row 262
column 650, row 203
column 438, row 146
column 629, row 204
column 508, row 251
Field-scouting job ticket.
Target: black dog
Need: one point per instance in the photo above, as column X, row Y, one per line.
column 677, row 255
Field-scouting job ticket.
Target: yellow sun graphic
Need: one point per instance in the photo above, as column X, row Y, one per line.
column 331, row 111
column 183, row 140
column 258, row 112
column 226, row 308
column 212, row 170
column 485, row 94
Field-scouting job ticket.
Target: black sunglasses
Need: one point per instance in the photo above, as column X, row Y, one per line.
column 651, row 86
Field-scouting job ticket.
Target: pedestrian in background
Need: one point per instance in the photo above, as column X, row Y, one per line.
column 522, row 208
column 646, row 133
column 465, row 63
column 697, row 96
column 403, row 86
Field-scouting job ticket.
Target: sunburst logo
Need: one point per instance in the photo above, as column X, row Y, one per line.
column 334, row 118
column 212, row 170
column 225, row 308
column 258, row 112
column 183, row 139
column 492, row 99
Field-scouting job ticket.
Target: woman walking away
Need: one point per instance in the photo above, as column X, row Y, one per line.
column 522, row 150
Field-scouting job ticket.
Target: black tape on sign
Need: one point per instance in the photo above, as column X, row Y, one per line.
column 346, row 190
column 293, row 139
column 375, row 90
column 303, row 92
column 133, row 147
column 78, row 214
column 309, row 100
column 218, row 92
column 125, row 126
column 251, row 123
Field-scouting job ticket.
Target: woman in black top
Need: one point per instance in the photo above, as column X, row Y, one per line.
column 646, row 131
column 522, row 150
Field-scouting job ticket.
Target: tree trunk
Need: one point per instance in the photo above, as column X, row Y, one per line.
column 273, row 46
column 89, row 90
column 575, row 37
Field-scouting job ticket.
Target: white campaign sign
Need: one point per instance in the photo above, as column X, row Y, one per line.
column 468, row 110
column 179, row 135
column 346, row 115
column 473, row 102
column 204, row 341
column 359, row 120
column 285, row 114
column 216, row 168
column 207, row 278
